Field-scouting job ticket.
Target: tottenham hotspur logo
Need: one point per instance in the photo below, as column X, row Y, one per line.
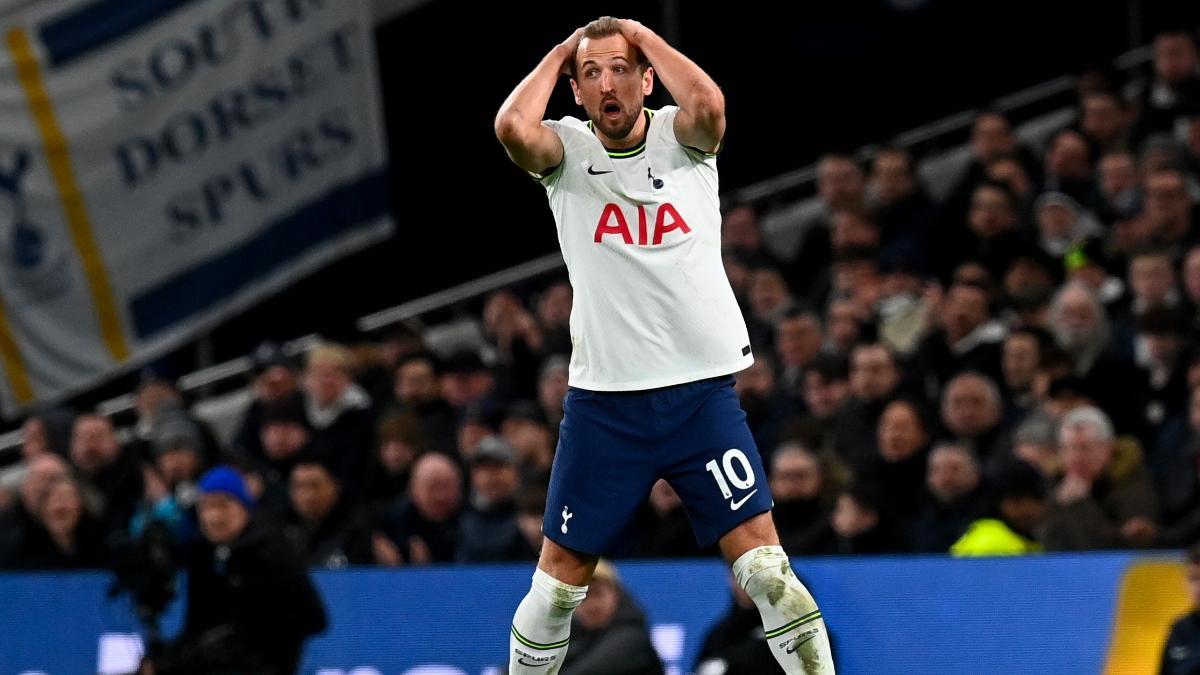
column 566, row 515
column 33, row 263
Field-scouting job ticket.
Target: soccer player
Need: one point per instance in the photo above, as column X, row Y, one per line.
column 656, row 336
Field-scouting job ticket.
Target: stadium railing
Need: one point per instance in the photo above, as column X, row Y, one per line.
column 787, row 199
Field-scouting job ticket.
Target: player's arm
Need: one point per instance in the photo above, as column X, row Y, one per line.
column 700, row 122
column 530, row 144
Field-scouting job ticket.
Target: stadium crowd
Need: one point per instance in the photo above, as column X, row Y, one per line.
column 1008, row 370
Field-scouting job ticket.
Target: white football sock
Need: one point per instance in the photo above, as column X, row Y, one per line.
column 794, row 628
column 541, row 628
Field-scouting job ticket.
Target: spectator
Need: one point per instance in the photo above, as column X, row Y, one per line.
column 769, row 301
column 399, row 440
column 531, row 511
column 1118, row 182
column 1016, row 521
column 424, row 527
column 42, row 433
column 840, row 185
column 1105, row 120
column 845, row 319
column 665, row 531
column 1061, row 222
column 553, row 309
column 276, row 378
column 735, row 645
column 858, row 524
column 1170, row 214
column 1102, row 500
column 991, row 233
column 767, row 407
column 1161, row 353
column 284, row 435
column 1173, row 463
column 1068, row 168
column 339, row 411
column 552, row 388
column 1085, row 263
column 179, row 453
column 874, row 379
column 968, row 338
column 417, row 395
column 955, row 486
column 478, row 422
column 898, row 471
column 65, row 533
column 804, row 493
column 20, row 519
column 992, row 139
column 826, row 390
column 517, row 339
column 526, row 430
column 1035, row 442
column 321, row 523
column 609, row 635
column 250, row 603
column 488, row 527
column 973, row 414
column 740, row 232
column 467, row 381
column 108, row 468
column 1181, row 653
column 1175, row 89
column 905, row 308
column 903, row 209
column 1019, row 358
column 797, row 342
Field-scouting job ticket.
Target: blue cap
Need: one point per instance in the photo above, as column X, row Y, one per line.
column 226, row 480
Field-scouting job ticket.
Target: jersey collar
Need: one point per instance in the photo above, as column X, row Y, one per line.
column 635, row 150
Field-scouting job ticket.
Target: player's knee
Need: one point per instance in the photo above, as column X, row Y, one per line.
column 565, row 565
column 765, row 572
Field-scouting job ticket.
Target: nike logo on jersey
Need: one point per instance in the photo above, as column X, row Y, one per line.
column 737, row 503
column 597, row 173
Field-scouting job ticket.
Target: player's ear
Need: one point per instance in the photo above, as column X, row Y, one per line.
column 648, row 81
column 575, row 90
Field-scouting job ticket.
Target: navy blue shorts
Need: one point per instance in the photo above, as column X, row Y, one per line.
column 613, row 447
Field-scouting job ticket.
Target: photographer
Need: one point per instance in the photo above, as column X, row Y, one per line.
column 251, row 604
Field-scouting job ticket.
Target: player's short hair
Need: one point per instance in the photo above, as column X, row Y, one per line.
column 601, row 28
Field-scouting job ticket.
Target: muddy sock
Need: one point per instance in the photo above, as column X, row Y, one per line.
column 793, row 625
column 541, row 628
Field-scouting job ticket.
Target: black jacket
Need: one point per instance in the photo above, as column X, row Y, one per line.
column 492, row 535
column 250, row 606
column 621, row 648
column 343, row 538
column 1181, row 655
column 737, row 642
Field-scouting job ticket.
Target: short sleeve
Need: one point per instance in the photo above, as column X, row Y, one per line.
column 666, row 125
column 551, row 175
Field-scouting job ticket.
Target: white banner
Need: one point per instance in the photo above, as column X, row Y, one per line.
column 164, row 163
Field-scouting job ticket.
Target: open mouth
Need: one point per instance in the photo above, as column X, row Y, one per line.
column 611, row 110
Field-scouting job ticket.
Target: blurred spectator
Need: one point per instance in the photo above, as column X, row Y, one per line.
column 1181, row 653
column 250, row 603
column 1174, row 464
column 1171, row 215
column 797, row 342
column 112, row 470
column 276, row 377
column 840, row 185
column 859, row 526
column 740, row 232
column 973, row 414
column 46, row 432
column 488, row 530
column 466, row 381
column 1105, row 120
column 531, row 512
column 804, row 493
column 1019, row 359
column 898, row 470
column 991, row 233
column 398, row 443
column 1161, row 352
column 1061, row 222
column 609, row 635
column 525, row 429
column 874, row 378
column 905, row 308
column 1118, row 181
column 1068, row 168
column 20, row 519
column 826, row 390
column 65, row 532
column 179, row 452
column 339, row 411
column 1190, row 277
column 1175, row 88
column 1035, row 442
column 665, row 531
column 904, row 211
column 425, row 526
column 552, row 388
column 735, row 645
column 967, row 337
column 1104, row 499
column 478, row 422
column 517, row 338
column 992, row 139
column 323, row 525
column 1016, row 521
column 417, row 395
column 284, row 434
column 769, row 301
column 1085, row 263
column 844, row 319
column 955, row 485
column 767, row 407
column 553, row 307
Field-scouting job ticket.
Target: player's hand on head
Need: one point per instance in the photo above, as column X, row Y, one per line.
column 632, row 29
column 570, row 46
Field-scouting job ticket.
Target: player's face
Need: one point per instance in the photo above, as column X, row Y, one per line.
column 609, row 84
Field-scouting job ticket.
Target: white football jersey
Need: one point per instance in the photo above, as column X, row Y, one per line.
column 640, row 230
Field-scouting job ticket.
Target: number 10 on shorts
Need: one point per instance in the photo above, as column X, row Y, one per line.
column 742, row 476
